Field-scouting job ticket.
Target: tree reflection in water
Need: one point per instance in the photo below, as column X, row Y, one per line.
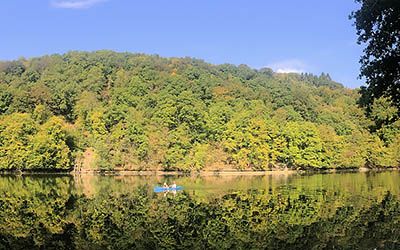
column 356, row 211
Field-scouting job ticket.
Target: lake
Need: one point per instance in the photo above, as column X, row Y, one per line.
column 277, row 211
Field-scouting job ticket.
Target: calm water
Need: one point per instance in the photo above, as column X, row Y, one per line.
column 323, row 211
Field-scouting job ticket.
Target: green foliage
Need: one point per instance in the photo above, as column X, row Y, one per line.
column 378, row 26
column 49, row 147
column 41, row 113
column 383, row 112
column 304, row 146
column 146, row 112
column 27, row 145
column 5, row 100
column 249, row 141
column 16, row 132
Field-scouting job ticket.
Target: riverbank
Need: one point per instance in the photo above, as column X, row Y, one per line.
column 233, row 172
column 229, row 172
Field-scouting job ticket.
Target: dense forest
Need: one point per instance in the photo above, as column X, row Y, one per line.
column 106, row 110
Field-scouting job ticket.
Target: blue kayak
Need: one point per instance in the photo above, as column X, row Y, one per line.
column 159, row 189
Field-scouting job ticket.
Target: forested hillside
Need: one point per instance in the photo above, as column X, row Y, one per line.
column 107, row 110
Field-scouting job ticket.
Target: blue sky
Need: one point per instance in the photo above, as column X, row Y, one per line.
column 286, row 35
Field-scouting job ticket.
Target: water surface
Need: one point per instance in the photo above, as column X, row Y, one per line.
column 320, row 211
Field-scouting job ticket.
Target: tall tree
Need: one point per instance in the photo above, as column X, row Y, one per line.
column 378, row 27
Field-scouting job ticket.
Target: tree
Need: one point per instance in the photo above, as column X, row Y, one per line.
column 5, row 100
column 16, row 131
column 383, row 112
column 378, row 27
column 304, row 146
column 249, row 141
column 50, row 149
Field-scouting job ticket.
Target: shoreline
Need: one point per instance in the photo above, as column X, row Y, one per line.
column 198, row 173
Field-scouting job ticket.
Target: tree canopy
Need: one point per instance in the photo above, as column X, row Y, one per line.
column 107, row 110
column 378, row 27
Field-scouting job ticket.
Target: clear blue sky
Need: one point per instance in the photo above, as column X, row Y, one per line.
column 287, row 35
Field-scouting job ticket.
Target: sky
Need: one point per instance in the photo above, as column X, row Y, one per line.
column 286, row 35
